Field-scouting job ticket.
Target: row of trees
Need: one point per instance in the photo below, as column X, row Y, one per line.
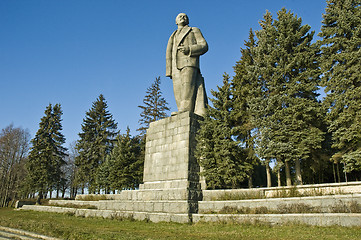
column 101, row 160
column 269, row 111
column 110, row 161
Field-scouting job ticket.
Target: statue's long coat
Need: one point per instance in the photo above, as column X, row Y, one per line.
column 191, row 37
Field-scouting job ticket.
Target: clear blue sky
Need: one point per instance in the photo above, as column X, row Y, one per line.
column 71, row 51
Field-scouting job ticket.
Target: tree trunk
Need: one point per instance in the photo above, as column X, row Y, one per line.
column 268, row 173
column 298, row 172
column 74, row 192
column 250, row 181
column 40, row 196
column 288, row 174
column 5, row 197
column 338, row 173
column 279, row 177
column 63, row 190
column 334, row 172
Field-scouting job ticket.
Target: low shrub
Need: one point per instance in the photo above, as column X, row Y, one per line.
column 297, row 208
column 239, row 196
column 70, row 205
column 350, row 207
column 92, row 197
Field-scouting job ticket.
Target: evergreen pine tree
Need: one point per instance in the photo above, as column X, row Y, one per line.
column 286, row 111
column 218, row 151
column 96, row 142
column 242, row 92
column 59, row 140
column 340, row 65
column 46, row 156
column 126, row 169
column 155, row 106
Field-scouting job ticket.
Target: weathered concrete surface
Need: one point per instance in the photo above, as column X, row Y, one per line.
column 319, row 219
column 12, row 233
column 21, row 203
column 75, row 202
column 113, row 214
column 171, row 171
column 170, row 209
column 323, row 204
column 41, row 208
column 322, row 189
column 169, row 160
column 208, row 195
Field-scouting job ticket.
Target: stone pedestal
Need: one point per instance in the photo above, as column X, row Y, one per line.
column 171, row 171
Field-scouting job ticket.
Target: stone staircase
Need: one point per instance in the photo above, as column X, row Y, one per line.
column 324, row 210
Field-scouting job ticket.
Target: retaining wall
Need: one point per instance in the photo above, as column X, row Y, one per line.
column 112, row 214
column 321, row 219
column 320, row 203
column 172, row 210
column 322, row 189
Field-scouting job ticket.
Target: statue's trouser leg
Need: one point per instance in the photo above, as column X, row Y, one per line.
column 201, row 97
column 188, row 79
column 177, row 87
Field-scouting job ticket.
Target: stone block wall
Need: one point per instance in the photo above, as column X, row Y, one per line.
column 323, row 204
column 319, row 189
column 169, row 152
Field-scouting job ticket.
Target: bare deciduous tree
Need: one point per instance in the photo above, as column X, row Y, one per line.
column 14, row 147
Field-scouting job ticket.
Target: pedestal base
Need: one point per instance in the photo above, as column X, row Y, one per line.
column 171, row 171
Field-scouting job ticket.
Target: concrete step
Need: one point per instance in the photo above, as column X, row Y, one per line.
column 113, row 214
column 181, row 206
column 315, row 219
column 12, row 233
column 9, row 235
column 150, row 194
column 150, row 206
column 311, row 189
column 322, row 204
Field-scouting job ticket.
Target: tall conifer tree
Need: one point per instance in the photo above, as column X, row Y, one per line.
column 155, row 106
column 242, row 93
column 218, row 151
column 340, row 65
column 285, row 70
column 96, row 142
column 47, row 154
column 126, row 171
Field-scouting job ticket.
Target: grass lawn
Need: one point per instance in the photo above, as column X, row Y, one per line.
column 71, row 227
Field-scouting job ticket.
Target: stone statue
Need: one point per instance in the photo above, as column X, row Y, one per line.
column 184, row 47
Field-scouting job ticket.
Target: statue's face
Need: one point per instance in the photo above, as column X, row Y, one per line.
column 182, row 19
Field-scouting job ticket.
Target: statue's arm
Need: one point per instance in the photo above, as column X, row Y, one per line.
column 201, row 47
column 168, row 57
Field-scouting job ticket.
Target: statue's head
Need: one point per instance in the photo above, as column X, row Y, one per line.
column 182, row 19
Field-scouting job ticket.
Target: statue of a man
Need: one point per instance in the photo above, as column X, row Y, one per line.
column 184, row 47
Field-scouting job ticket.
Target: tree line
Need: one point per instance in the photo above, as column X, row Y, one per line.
column 269, row 112
column 102, row 160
